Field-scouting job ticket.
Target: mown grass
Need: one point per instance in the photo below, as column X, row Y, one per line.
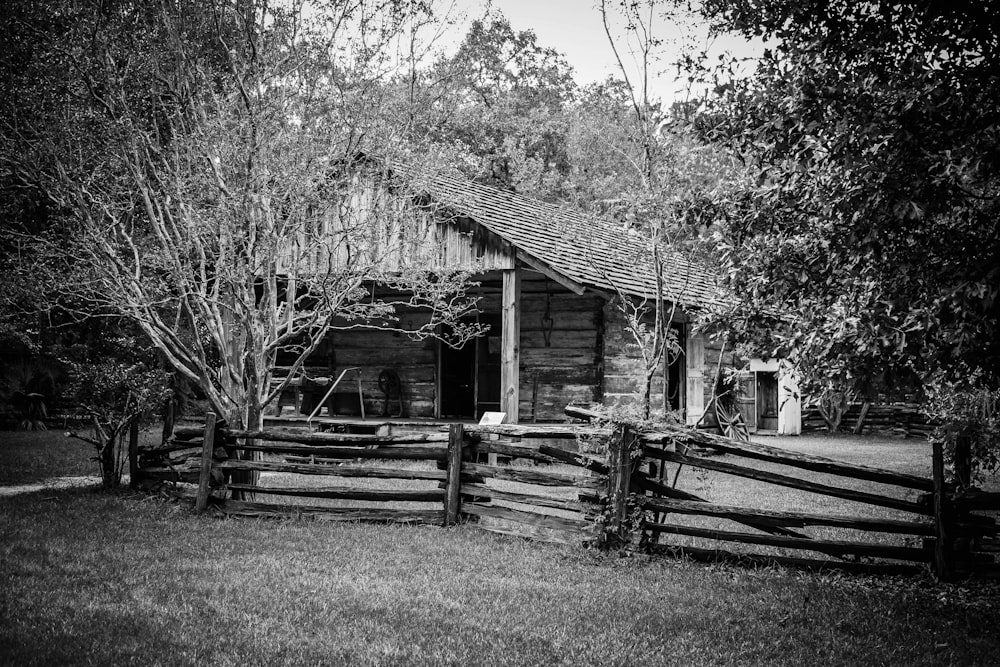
column 30, row 456
column 91, row 578
column 96, row 578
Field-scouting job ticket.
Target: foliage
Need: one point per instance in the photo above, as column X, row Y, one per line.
column 204, row 157
column 867, row 240
column 28, row 383
column 503, row 98
column 968, row 410
column 116, row 380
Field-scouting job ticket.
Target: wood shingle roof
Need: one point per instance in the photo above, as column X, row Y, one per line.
column 587, row 250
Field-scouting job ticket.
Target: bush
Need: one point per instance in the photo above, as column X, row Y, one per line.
column 968, row 415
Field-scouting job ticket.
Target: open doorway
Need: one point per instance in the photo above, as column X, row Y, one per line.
column 676, row 371
column 767, row 400
column 469, row 376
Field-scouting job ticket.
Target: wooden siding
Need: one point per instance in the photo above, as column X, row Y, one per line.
column 569, row 369
column 371, row 227
column 414, row 360
column 588, row 357
column 623, row 365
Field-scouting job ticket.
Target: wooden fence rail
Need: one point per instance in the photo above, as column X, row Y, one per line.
column 942, row 521
column 538, row 484
column 529, row 499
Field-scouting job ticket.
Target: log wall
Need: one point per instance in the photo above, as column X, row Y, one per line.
column 560, row 360
column 573, row 350
column 414, row 360
column 567, row 368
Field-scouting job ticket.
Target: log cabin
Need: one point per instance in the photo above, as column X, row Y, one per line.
column 546, row 277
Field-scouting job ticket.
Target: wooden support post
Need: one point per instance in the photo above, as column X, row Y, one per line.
column 620, row 468
column 860, row 425
column 452, row 498
column 133, row 453
column 695, row 372
column 942, row 548
column 961, row 545
column 510, row 356
column 205, row 474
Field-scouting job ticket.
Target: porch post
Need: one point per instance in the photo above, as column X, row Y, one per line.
column 510, row 356
column 695, row 355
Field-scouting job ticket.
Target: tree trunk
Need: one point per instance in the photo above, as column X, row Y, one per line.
column 647, row 391
column 109, row 457
column 832, row 405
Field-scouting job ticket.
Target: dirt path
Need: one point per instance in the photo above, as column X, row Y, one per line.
column 50, row 484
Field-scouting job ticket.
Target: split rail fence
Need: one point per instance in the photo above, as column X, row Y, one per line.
column 520, row 480
column 533, row 481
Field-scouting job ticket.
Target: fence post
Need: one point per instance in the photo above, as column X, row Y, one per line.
column 133, row 453
column 205, row 475
column 619, row 476
column 942, row 545
column 452, row 496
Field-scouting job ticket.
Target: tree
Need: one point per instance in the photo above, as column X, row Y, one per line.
column 502, row 97
column 868, row 241
column 640, row 164
column 204, row 159
column 116, row 381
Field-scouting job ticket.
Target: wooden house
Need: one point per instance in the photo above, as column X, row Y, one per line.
column 547, row 278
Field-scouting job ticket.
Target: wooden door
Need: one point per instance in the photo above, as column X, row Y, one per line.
column 746, row 401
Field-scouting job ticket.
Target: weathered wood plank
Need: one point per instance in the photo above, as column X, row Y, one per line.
column 687, row 436
column 183, row 434
column 795, row 483
column 510, row 347
column 752, row 450
column 333, row 470
column 506, row 449
column 644, row 483
column 484, row 491
column 532, row 476
column 943, row 556
column 831, row 547
column 453, row 498
column 164, row 474
column 572, row 458
column 367, row 514
column 777, row 518
column 205, row 470
column 400, row 452
column 568, row 431
column 317, row 438
column 973, row 500
column 346, row 493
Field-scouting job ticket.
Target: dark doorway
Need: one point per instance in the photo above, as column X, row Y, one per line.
column 675, row 371
column 767, row 401
column 470, row 375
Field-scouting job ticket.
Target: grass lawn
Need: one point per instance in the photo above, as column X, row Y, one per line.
column 33, row 456
column 96, row 578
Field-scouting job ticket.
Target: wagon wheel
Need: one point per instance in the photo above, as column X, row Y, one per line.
column 731, row 422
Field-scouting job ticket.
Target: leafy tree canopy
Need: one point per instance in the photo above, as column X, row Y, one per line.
column 868, row 239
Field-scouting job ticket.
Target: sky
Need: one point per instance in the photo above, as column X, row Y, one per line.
column 574, row 28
